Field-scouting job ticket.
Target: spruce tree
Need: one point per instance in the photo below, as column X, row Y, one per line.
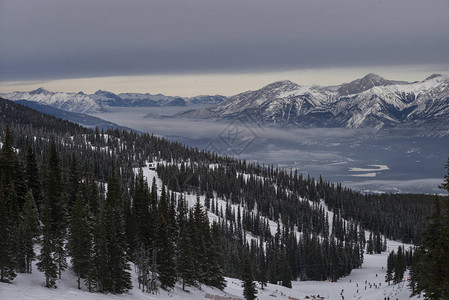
column 79, row 244
column 120, row 279
column 33, row 178
column 7, row 262
column 47, row 263
column 57, row 208
column 186, row 267
column 101, row 273
column 214, row 258
column 262, row 274
column 286, row 273
column 29, row 230
column 249, row 286
column 399, row 267
column 391, row 261
column 165, row 254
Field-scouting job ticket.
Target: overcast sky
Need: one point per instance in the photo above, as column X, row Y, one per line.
column 188, row 47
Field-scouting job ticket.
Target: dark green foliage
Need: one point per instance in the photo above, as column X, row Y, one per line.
column 80, row 244
column 391, row 262
column 29, row 230
column 57, row 208
column 120, row 279
column 249, row 286
column 164, row 245
column 430, row 266
column 262, row 271
column 33, row 178
column 399, row 266
column 186, row 267
column 75, row 163
column 165, row 254
column 46, row 262
column 7, row 262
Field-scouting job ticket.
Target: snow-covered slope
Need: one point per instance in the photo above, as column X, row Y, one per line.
column 365, row 283
column 102, row 100
column 371, row 101
column 76, row 102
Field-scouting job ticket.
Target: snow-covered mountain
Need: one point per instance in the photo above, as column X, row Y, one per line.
column 76, row 102
column 371, row 101
column 100, row 101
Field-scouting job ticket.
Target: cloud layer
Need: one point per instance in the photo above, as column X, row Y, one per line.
column 67, row 39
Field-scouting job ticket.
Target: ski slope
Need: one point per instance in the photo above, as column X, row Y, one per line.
column 367, row 283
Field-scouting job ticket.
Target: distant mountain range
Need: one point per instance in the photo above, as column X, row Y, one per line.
column 421, row 107
column 371, row 101
column 100, row 101
column 79, row 118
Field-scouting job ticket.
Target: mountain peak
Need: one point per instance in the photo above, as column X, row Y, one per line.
column 363, row 84
column 106, row 94
column 39, row 91
column 435, row 76
column 279, row 84
column 372, row 76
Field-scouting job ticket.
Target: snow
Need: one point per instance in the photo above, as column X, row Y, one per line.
column 30, row 286
column 373, row 270
column 371, row 174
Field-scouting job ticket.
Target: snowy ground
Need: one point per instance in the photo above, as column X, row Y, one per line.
column 31, row 286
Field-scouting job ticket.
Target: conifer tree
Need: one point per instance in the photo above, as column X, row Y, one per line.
column 33, row 178
column 286, row 273
column 79, row 244
column 370, row 246
column 6, row 251
column 57, row 208
column 186, row 268
column 101, row 273
column 29, row 230
column 262, row 274
column 214, row 259
column 391, row 261
column 432, row 265
column 249, row 286
column 142, row 261
column 399, row 267
column 47, row 262
column 120, row 279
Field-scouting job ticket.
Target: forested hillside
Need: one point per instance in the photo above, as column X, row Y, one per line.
column 79, row 193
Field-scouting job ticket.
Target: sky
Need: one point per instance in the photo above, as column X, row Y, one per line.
column 186, row 48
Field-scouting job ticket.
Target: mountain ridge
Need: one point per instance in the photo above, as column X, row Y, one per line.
column 101, row 100
column 371, row 101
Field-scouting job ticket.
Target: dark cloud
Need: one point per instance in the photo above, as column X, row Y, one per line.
column 63, row 39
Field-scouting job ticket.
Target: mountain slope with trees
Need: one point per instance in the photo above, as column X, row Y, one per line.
column 81, row 187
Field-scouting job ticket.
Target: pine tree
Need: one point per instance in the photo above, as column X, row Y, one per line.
column 286, row 273
column 79, row 244
column 165, row 254
column 142, row 261
column 57, row 208
column 370, row 247
column 33, row 178
column 399, row 267
column 391, row 261
column 249, row 286
column 185, row 260
column 101, row 273
column 6, row 251
column 120, row 279
column 262, row 274
column 430, row 268
column 214, row 258
column 47, row 262
column 29, row 230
